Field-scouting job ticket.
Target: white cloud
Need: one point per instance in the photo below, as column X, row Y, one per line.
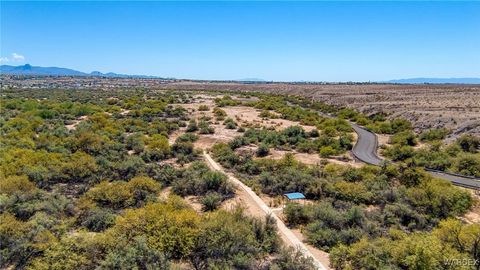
column 17, row 57
column 14, row 58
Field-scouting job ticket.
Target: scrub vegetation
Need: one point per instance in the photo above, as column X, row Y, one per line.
column 89, row 180
column 102, row 179
column 386, row 217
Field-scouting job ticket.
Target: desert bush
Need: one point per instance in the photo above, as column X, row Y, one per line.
column 404, row 138
column 399, row 153
column 230, row 123
column 469, row 143
column 467, row 164
column 187, row 137
column 203, row 108
column 327, row 151
column 192, row 126
column 199, row 180
column 116, row 195
column 262, row 150
column 434, row 134
column 98, row 219
column 211, row 201
column 205, row 128
column 219, row 113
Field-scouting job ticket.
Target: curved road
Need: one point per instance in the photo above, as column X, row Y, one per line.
column 365, row 150
column 366, row 147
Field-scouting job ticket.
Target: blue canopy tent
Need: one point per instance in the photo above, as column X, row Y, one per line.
column 295, row 196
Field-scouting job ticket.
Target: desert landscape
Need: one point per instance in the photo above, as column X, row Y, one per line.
column 111, row 152
column 428, row 106
column 239, row 135
column 456, row 107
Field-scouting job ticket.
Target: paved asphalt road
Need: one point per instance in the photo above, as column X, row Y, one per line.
column 457, row 180
column 366, row 147
column 365, row 150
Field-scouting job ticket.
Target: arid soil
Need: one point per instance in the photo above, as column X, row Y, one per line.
column 257, row 207
column 473, row 216
column 456, row 107
column 243, row 116
column 75, row 123
column 249, row 117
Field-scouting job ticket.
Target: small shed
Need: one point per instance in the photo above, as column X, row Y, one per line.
column 294, row 196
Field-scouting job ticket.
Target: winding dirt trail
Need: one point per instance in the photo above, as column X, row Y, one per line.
column 286, row 234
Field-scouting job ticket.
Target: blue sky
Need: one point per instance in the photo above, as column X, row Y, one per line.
column 287, row 41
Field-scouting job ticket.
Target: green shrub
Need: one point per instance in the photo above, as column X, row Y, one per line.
column 404, row 138
column 203, row 108
column 219, row 113
column 468, row 164
column 399, row 153
column 262, row 150
column 327, row 151
column 192, row 126
column 98, row 219
column 434, row 134
column 211, row 201
column 230, row 123
column 296, row 214
column 469, row 143
column 187, row 137
column 205, row 128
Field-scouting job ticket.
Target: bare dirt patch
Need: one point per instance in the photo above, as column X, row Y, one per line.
column 75, row 123
column 473, row 216
column 165, row 193
column 243, row 116
column 251, row 201
column 249, row 116
column 315, row 159
column 383, row 139
column 456, row 107
column 194, row 202
column 322, row 256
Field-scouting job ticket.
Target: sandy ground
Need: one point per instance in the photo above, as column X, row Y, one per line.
column 257, row 207
column 165, row 193
column 315, row 159
column 194, row 202
column 75, row 123
column 473, row 216
column 243, row 116
column 456, row 107
column 317, row 253
column 310, row 159
column 206, row 140
column 250, row 116
column 383, row 139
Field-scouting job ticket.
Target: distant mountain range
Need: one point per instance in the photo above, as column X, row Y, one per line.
column 250, row 80
column 437, row 80
column 57, row 71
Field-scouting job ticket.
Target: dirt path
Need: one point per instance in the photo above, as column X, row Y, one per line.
column 287, row 235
